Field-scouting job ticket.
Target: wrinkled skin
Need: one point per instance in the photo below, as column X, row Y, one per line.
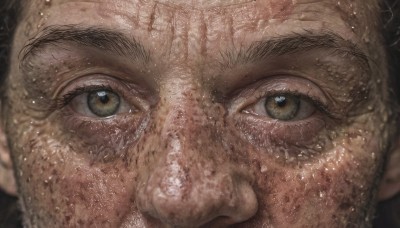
column 195, row 151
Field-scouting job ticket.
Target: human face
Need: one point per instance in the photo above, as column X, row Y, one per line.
column 189, row 113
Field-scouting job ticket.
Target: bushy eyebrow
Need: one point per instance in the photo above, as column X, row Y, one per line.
column 98, row 38
column 119, row 44
column 294, row 43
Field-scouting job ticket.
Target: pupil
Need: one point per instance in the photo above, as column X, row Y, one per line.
column 280, row 101
column 103, row 103
column 103, row 97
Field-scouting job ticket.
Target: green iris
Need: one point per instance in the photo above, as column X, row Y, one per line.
column 103, row 103
column 282, row 107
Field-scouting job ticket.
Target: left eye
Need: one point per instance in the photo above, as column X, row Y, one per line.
column 284, row 107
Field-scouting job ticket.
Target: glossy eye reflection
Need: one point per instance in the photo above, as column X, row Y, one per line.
column 285, row 107
column 97, row 102
column 103, row 103
column 282, row 107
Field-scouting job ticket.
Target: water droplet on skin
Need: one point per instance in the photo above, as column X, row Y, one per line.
column 41, row 14
column 263, row 169
column 318, row 147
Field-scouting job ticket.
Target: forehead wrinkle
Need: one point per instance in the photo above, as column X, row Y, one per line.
column 203, row 4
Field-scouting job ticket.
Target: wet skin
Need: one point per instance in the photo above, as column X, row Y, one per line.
column 196, row 139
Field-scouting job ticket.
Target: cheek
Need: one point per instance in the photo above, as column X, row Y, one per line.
column 59, row 185
column 332, row 191
column 97, row 195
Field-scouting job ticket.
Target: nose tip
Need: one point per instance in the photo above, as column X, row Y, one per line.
column 181, row 200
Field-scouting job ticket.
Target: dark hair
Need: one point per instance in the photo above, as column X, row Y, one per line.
column 9, row 14
column 390, row 16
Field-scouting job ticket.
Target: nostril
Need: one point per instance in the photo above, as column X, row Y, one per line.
column 220, row 221
column 216, row 202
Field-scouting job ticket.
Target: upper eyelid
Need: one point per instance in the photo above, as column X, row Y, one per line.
column 282, row 84
column 315, row 101
column 66, row 98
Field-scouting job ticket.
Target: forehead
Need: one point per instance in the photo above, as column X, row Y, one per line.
column 195, row 38
column 212, row 20
column 192, row 34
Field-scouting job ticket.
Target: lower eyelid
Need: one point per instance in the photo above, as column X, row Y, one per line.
column 262, row 130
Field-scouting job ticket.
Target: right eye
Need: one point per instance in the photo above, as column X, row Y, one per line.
column 101, row 103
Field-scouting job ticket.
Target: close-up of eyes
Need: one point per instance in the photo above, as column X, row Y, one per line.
column 284, row 107
column 97, row 102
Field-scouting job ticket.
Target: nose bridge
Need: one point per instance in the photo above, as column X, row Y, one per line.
column 190, row 185
column 184, row 157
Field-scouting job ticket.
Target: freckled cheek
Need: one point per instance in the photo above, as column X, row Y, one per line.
column 77, row 191
column 95, row 192
column 338, row 186
column 62, row 185
column 103, row 140
column 291, row 199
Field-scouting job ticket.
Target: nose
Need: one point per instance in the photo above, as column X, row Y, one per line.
column 192, row 184
column 184, row 193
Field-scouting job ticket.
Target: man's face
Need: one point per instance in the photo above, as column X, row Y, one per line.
column 181, row 113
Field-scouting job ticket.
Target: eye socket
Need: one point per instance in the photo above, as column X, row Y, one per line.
column 284, row 107
column 103, row 103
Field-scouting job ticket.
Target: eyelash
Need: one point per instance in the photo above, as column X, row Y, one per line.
column 68, row 97
column 317, row 103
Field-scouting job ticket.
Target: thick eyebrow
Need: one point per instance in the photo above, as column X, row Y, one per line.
column 292, row 44
column 93, row 37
